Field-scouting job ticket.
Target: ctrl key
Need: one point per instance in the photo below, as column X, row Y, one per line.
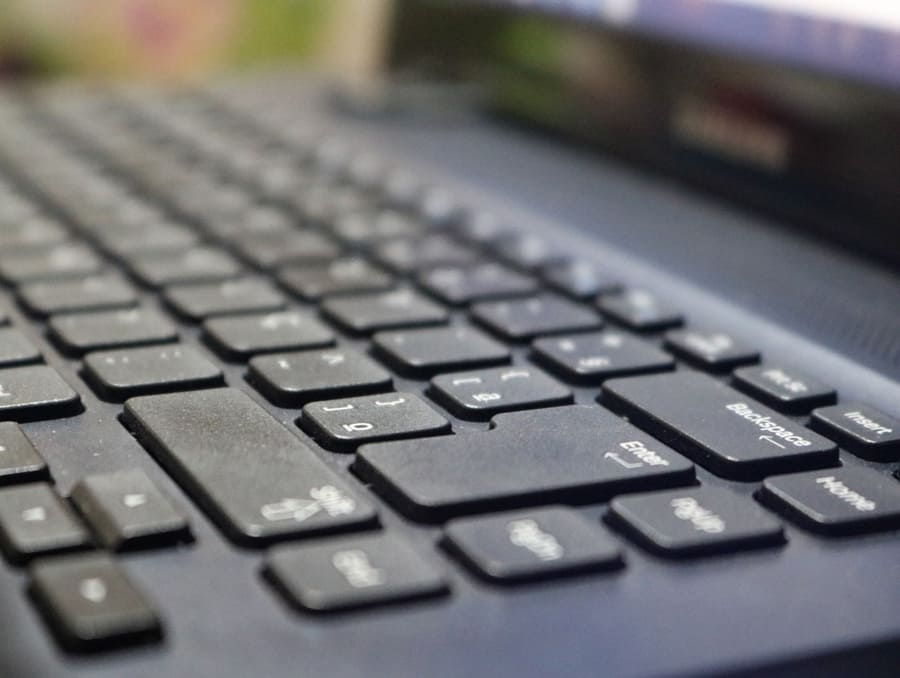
column 91, row 604
column 352, row 572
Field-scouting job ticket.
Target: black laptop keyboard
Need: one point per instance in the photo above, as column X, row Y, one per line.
column 402, row 353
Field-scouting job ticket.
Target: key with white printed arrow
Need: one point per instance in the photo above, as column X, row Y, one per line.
column 732, row 435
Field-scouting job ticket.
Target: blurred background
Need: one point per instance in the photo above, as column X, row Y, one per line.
column 183, row 40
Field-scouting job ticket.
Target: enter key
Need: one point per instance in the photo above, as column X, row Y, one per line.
column 730, row 434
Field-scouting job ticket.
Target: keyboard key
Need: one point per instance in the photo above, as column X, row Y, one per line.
column 82, row 332
column 87, row 294
column 524, row 319
column 35, row 392
column 579, row 279
column 695, row 521
column 257, row 480
column 729, row 433
column 863, row 430
column 593, row 358
column 197, row 265
column 639, row 310
column 197, row 302
column 367, row 313
column 158, row 238
column 30, row 234
column 529, row 545
column 293, row 379
column 4, row 318
column 836, row 501
column 117, row 375
column 366, row 228
column 269, row 250
column 786, row 390
column 599, row 456
column 352, row 572
column 34, row 521
column 713, row 351
column 408, row 256
column 465, row 284
column 90, row 603
column 423, row 353
column 126, row 510
column 19, row 460
column 345, row 424
column 241, row 337
column 482, row 394
column 348, row 275
column 525, row 250
column 60, row 261
column 16, row 349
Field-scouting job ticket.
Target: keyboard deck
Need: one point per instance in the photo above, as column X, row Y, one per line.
column 364, row 396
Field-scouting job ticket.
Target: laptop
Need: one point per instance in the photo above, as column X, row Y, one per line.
column 567, row 346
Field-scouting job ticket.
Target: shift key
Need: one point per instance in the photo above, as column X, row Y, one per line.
column 732, row 435
column 254, row 477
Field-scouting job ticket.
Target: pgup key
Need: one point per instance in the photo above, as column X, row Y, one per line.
column 343, row 424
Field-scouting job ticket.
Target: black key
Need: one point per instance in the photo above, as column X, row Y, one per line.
column 117, row 375
column 245, row 295
column 87, row 294
column 407, row 256
column 4, row 318
column 386, row 311
column 292, row 379
column 197, row 265
column 82, row 332
column 258, row 480
column 863, row 430
column 786, row 390
column 567, row 454
column 241, row 337
column 480, row 228
column 19, row 461
column 639, row 310
column 90, row 604
column 125, row 509
column 288, row 247
column 31, row 233
column 593, row 358
column 34, row 521
column 579, row 279
column 366, row 228
column 158, row 238
column 524, row 319
column 482, row 394
column 729, row 433
column 525, row 250
column 426, row 352
column 846, row 500
column 529, row 545
column 348, row 275
column 465, row 284
column 60, row 261
column 345, row 424
column 352, row 572
column 713, row 351
column 16, row 349
column 35, row 392
column 695, row 521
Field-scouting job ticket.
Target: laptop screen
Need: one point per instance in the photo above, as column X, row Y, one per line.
column 860, row 39
column 791, row 107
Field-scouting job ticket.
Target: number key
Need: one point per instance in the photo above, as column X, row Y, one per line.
column 480, row 395
column 345, row 424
